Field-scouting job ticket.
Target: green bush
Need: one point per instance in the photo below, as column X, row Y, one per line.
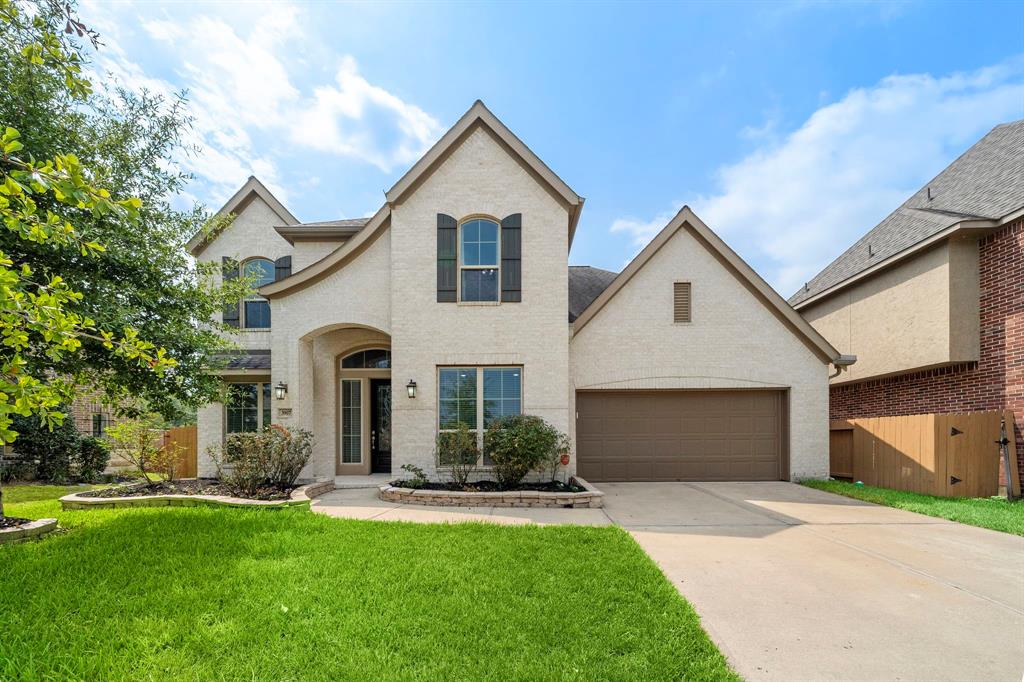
column 419, row 476
column 91, row 458
column 520, row 444
column 457, row 451
column 49, row 451
column 250, row 462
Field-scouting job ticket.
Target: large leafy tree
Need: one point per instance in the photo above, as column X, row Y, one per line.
column 143, row 279
column 93, row 288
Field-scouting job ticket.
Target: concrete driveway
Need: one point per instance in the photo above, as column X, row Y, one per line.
column 797, row 584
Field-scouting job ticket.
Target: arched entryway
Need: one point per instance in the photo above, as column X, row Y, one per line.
column 364, row 410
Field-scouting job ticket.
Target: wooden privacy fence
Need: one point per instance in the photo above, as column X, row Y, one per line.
column 953, row 455
column 186, row 439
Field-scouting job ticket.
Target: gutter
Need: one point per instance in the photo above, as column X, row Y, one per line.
column 841, row 363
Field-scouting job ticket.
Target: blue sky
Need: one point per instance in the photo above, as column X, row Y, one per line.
column 790, row 127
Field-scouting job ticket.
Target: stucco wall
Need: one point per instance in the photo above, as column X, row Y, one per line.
column 734, row 341
column 901, row 318
column 478, row 177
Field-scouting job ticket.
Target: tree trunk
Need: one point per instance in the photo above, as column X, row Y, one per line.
column 1, row 501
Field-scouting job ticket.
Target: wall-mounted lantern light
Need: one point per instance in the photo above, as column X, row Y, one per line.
column 281, row 390
column 411, row 388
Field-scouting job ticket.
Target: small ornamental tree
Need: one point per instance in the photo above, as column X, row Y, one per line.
column 140, row 441
column 457, row 451
column 38, row 309
column 520, row 444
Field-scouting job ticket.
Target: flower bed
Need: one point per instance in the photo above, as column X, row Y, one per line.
column 18, row 530
column 586, row 496
column 195, row 496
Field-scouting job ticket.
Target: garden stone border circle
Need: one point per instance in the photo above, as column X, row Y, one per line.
column 299, row 498
column 29, row 531
column 589, row 498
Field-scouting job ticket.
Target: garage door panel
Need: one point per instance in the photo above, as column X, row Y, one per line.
column 679, row 435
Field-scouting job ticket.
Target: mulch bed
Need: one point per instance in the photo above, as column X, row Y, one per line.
column 199, row 486
column 12, row 522
column 493, row 487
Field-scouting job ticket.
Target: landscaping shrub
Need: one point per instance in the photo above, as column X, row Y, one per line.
column 520, row 444
column 419, row 476
column 457, row 451
column 166, row 460
column 139, row 441
column 91, row 459
column 250, row 462
column 50, row 451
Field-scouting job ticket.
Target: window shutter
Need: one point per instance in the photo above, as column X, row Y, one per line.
column 230, row 271
column 447, row 258
column 681, row 302
column 511, row 258
column 282, row 268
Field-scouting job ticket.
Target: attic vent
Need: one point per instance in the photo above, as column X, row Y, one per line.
column 681, row 302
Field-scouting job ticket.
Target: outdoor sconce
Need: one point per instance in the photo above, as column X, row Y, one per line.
column 281, row 390
column 411, row 388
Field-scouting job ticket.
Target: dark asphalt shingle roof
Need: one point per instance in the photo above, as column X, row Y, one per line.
column 987, row 181
column 586, row 284
column 248, row 359
column 347, row 222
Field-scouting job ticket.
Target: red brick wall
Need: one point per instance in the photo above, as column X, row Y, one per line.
column 995, row 382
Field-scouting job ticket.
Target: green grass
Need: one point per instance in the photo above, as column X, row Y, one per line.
column 984, row 512
column 198, row 594
column 30, row 492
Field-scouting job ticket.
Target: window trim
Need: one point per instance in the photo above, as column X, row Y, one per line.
column 242, row 323
column 480, row 429
column 461, row 266
column 261, row 407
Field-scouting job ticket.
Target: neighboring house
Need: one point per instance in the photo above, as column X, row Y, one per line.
column 931, row 301
column 455, row 302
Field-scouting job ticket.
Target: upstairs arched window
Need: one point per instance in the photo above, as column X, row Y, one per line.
column 255, row 308
column 478, row 255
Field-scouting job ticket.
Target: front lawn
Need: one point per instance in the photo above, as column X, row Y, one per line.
column 196, row 593
column 984, row 512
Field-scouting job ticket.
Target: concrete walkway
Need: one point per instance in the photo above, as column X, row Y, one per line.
column 796, row 584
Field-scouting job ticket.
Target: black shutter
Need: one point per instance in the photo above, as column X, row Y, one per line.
column 230, row 271
column 447, row 258
column 512, row 258
column 282, row 268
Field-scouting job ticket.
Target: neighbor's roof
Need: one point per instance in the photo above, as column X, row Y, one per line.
column 251, row 189
column 985, row 183
column 585, row 284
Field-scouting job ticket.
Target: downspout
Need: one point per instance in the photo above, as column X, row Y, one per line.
column 841, row 363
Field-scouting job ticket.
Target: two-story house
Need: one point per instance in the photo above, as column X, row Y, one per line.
column 931, row 300
column 455, row 302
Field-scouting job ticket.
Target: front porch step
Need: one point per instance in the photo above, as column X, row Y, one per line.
column 371, row 481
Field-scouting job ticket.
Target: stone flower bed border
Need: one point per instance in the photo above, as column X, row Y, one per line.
column 299, row 498
column 591, row 497
column 29, row 531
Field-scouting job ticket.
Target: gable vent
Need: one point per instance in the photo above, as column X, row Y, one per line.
column 681, row 302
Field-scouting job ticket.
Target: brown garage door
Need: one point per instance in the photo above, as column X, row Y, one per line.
column 680, row 435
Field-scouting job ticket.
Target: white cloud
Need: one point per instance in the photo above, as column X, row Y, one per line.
column 799, row 200
column 247, row 83
column 642, row 231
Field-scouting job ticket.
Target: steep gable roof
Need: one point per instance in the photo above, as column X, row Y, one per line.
column 985, row 184
column 478, row 115
column 686, row 218
column 252, row 189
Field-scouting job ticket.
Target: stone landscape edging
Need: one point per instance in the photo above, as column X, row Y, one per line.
column 28, row 531
column 299, row 498
column 591, row 497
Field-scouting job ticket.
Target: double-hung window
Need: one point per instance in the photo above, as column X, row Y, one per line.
column 248, row 407
column 478, row 260
column 477, row 397
column 255, row 308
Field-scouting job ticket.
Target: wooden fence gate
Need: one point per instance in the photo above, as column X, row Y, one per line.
column 186, row 439
column 952, row 455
